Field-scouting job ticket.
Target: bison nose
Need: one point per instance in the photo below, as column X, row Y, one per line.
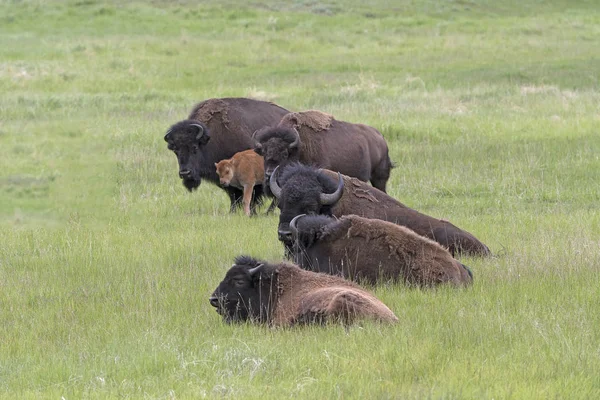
column 214, row 301
column 285, row 236
column 183, row 173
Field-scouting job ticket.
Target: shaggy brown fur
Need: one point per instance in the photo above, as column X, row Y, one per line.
column 284, row 295
column 374, row 251
column 374, row 204
column 316, row 120
column 243, row 171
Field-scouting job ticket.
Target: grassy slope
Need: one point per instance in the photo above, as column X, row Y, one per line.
column 491, row 111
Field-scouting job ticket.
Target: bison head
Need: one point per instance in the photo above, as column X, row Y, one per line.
column 225, row 172
column 278, row 146
column 306, row 231
column 303, row 190
column 247, row 291
column 187, row 140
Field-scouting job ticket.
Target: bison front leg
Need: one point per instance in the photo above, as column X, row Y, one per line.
column 248, row 198
column 235, row 196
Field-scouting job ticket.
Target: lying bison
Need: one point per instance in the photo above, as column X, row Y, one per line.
column 316, row 138
column 285, row 295
column 307, row 190
column 216, row 129
column 372, row 250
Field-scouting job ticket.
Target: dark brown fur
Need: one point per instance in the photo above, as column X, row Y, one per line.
column 353, row 149
column 374, row 251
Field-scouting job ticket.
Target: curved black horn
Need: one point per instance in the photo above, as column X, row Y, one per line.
column 200, row 130
column 328, row 199
column 275, row 189
column 167, row 135
column 296, row 141
column 293, row 227
column 254, row 270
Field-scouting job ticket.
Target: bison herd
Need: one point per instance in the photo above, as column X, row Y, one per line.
column 338, row 229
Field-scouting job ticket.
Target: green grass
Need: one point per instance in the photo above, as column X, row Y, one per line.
column 491, row 111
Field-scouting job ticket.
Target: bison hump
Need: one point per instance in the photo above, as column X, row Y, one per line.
column 206, row 110
column 316, row 120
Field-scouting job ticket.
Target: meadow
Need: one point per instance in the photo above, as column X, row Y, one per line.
column 491, row 110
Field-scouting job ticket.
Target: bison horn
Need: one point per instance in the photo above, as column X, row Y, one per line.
column 200, row 130
column 167, row 135
column 254, row 270
column 293, row 227
column 275, row 189
column 296, row 140
column 328, row 199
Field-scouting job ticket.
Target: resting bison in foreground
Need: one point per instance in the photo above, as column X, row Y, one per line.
column 318, row 139
column 243, row 171
column 216, row 129
column 373, row 250
column 307, row 190
column 285, row 295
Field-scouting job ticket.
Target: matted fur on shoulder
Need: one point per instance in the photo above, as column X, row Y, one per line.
column 316, row 120
column 205, row 110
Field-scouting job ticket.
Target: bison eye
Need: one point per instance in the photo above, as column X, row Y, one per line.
column 239, row 283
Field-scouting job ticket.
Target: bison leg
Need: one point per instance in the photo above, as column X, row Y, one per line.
column 381, row 174
column 235, row 197
column 272, row 206
column 247, row 198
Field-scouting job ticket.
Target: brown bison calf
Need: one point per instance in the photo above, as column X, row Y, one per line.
column 285, row 295
column 373, row 250
column 243, row 171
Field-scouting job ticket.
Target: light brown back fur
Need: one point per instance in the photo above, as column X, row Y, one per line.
column 243, row 171
column 305, row 295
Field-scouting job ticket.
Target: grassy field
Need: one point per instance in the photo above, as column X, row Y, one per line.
column 492, row 113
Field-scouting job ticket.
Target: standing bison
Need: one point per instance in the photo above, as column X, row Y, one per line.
column 216, row 129
column 285, row 295
column 373, row 250
column 307, row 190
column 316, row 138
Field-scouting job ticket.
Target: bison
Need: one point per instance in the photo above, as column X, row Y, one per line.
column 216, row 129
column 308, row 190
column 373, row 251
column 318, row 139
column 243, row 171
column 285, row 295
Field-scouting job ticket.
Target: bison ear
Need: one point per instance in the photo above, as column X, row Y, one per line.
column 258, row 149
